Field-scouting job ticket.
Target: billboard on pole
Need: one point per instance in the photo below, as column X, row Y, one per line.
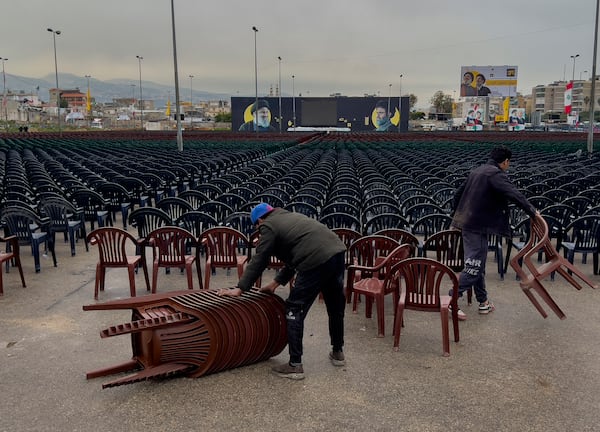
column 477, row 81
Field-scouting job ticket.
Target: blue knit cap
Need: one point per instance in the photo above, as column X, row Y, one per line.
column 259, row 211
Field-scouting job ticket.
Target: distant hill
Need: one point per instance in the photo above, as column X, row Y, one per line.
column 104, row 91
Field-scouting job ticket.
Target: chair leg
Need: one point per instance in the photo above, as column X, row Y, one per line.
column 379, row 303
column 188, row 272
column 18, row 264
column 398, row 325
column 207, row 271
column 97, row 284
column 131, row 271
column 154, row 277
column 445, row 331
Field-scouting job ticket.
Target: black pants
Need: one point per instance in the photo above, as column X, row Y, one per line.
column 327, row 278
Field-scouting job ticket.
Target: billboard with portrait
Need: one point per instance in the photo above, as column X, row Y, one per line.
column 516, row 119
column 477, row 81
column 475, row 117
column 353, row 113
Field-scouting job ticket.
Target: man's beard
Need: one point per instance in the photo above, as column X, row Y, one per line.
column 262, row 122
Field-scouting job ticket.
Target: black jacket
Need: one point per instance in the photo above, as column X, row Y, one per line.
column 300, row 242
column 481, row 202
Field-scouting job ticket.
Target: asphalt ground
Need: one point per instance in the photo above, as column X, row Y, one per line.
column 511, row 370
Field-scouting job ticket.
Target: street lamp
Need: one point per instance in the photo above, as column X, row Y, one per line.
column 54, row 33
column 88, row 102
column 177, row 105
column 132, row 104
column 400, row 100
column 293, row 103
column 191, row 92
column 389, row 99
column 140, row 58
column 4, row 90
column 574, row 57
column 279, row 91
column 255, row 82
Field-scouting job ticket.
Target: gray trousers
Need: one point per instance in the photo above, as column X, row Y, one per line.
column 473, row 274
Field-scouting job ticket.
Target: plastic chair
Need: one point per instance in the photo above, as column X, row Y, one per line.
column 422, row 282
column 66, row 218
column 11, row 254
column 584, row 238
column 225, row 248
column 30, row 229
column 347, row 236
column 379, row 284
column 169, row 249
column 112, row 244
column 531, row 275
column 364, row 252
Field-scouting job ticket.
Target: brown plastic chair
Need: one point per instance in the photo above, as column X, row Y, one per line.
column 11, row 254
column 364, row 252
column 379, row 284
column 169, row 249
column 422, row 282
column 532, row 274
column 112, row 245
column 347, row 236
column 225, row 248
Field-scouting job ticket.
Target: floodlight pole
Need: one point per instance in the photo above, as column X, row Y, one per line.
column 54, row 33
column 279, row 91
column 590, row 140
column 255, row 83
column 4, row 91
column 177, row 108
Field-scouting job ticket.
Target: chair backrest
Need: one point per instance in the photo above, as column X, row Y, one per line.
column 241, row 221
column 147, row 219
column 400, row 235
column 367, row 249
column 447, row 247
column 170, row 245
column 174, row 207
column 341, row 220
column 196, row 222
column 194, row 197
column 223, row 244
column 585, row 233
column 112, row 244
column 430, row 224
column 423, row 281
column 216, row 209
column 384, row 221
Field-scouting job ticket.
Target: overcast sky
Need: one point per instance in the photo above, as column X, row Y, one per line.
column 347, row 46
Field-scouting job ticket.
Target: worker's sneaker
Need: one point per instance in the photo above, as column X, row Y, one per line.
column 337, row 358
column 461, row 315
column 286, row 370
column 486, row 307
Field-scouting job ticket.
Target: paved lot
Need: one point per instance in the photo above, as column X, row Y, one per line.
column 511, row 370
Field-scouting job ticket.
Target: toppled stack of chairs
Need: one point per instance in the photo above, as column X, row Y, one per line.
column 195, row 333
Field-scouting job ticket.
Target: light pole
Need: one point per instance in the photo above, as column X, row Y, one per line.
column 4, row 91
column 132, row 104
column 293, row 103
column 255, row 82
column 177, row 105
column 140, row 58
column 279, row 91
column 574, row 57
column 590, row 138
column 54, row 33
column 400, row 100
column 191, row 92
column 389, row 99
column 88, row 102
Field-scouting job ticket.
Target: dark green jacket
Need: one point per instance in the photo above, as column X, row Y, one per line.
column 300, row 242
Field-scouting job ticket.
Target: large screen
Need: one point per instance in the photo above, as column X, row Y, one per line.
column 319, row 111
column 477, row 81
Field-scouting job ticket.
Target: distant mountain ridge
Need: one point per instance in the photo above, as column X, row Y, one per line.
column 105, row 91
